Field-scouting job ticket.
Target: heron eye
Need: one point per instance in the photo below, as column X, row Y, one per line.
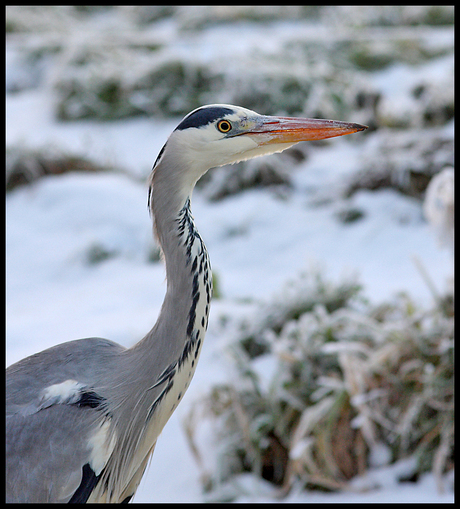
column 224, row 126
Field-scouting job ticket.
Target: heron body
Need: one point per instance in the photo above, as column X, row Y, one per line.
column 83, row 417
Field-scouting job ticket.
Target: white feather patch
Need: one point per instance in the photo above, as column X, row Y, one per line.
column 67, row 392
column 101, row 447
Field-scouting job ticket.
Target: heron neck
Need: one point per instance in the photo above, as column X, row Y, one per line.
column 158, row 369
column 184, row 315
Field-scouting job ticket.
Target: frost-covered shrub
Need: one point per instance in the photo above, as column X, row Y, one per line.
column 341, row 386
column 274, row 171
column 98, row 79
column 298, row 297
column 199, row 17
column 439, row 206
column 389, row 16
column 24, row 166
column 403, row 160
column 110, row 74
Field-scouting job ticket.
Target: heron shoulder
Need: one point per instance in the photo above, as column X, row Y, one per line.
column 67, row 373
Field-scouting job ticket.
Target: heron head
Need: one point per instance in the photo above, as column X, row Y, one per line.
column 220, row 134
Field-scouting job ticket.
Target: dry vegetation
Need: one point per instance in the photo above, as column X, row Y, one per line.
column 353, row 386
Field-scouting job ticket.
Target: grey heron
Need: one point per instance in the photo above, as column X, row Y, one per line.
column 83, row 417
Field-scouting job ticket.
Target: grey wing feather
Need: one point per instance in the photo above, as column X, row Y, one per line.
column 45, row 454
column 55, row 405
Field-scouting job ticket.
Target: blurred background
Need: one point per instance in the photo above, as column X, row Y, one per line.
column 327, row 370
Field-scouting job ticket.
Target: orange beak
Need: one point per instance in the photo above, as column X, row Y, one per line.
column 292, row 130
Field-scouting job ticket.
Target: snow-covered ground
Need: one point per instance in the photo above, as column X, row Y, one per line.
column 257, row 241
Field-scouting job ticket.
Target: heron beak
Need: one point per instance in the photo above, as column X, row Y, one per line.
column 291, row 130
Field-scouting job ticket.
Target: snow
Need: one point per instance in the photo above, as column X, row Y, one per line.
column 257, row 241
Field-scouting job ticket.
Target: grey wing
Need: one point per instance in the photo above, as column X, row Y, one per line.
column 57, row 425
column 47, row 456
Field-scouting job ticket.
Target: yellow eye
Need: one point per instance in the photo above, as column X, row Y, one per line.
column 224, row 126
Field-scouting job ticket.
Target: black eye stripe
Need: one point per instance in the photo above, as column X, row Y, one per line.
column 203, row 116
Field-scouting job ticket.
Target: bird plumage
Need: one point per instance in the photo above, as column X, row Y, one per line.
column 83, row 417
